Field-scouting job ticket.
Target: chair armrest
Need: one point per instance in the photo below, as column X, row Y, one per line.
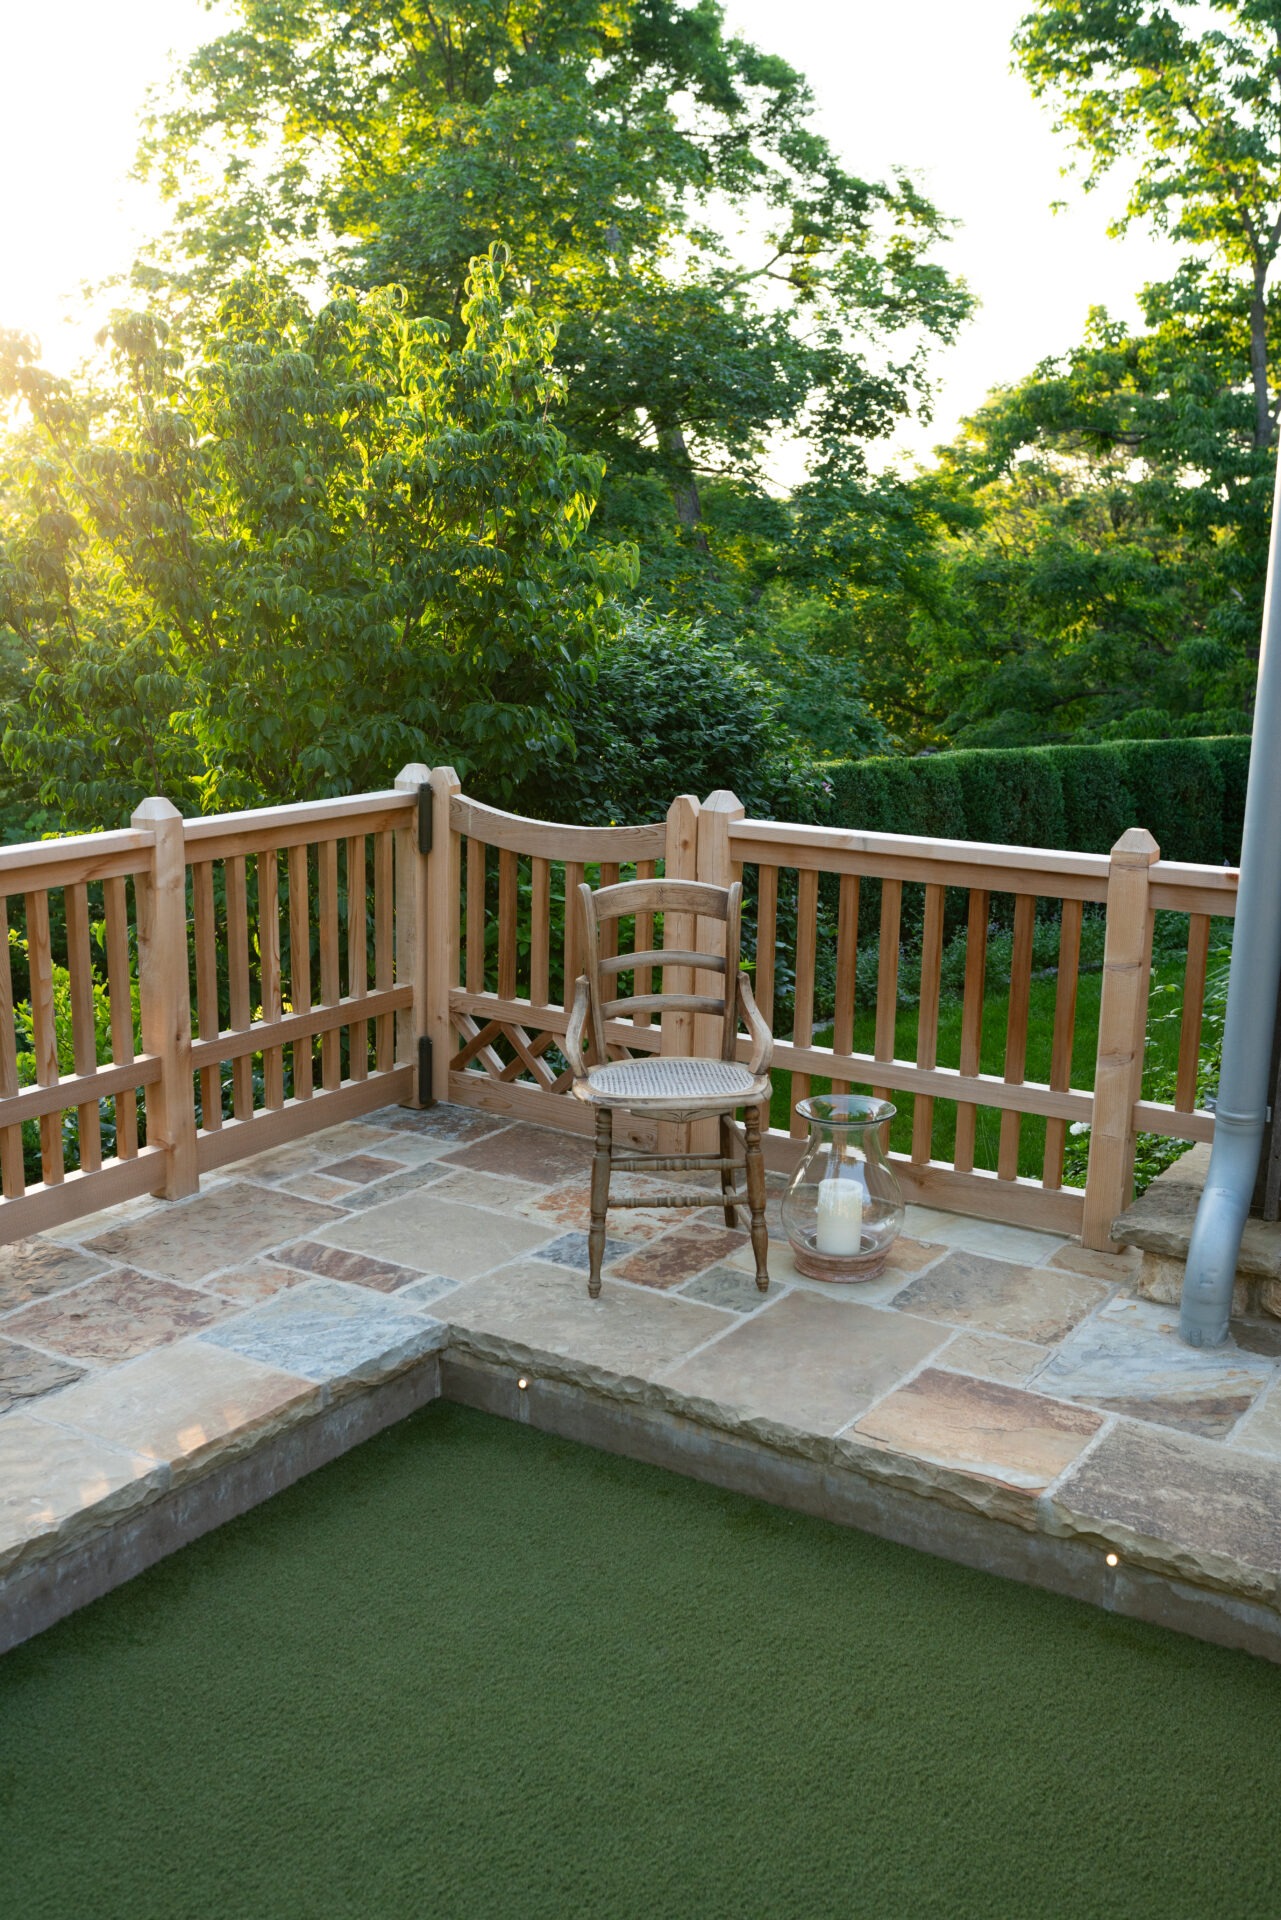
column 762, row 1038
column 577, row 1028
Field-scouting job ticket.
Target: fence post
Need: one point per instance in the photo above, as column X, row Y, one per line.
column 411, row 931
column 164, row 996
column 717, row 869
column 444, row 903
column 680, row 862
column 1123, row 1013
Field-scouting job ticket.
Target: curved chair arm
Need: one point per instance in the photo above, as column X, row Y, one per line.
column 762, row 1038
column 577, row 1028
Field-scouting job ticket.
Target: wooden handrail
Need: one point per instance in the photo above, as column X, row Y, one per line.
column 553, row 839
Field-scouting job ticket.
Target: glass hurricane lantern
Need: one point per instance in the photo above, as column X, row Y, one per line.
column 843, row 1210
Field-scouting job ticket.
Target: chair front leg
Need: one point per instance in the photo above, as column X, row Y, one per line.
column 756, row 1194
column 600, row 1197
column 729, row 1133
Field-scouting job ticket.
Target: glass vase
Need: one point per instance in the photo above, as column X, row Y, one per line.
column 843, row 1210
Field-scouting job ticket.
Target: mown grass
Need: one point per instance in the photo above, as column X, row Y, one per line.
column 1161, row 1059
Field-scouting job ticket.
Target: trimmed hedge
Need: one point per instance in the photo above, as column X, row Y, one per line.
column 1189, row 794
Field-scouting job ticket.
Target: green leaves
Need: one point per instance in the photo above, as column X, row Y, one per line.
column 333, row 543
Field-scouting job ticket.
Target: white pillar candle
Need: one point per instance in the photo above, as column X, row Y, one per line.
column 839, row 1228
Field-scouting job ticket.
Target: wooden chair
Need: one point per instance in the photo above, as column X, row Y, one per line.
column 664, row 1087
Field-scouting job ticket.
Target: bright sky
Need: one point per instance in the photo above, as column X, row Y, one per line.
column 921, row 83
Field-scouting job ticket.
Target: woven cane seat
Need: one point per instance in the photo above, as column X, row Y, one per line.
column 672, row 1083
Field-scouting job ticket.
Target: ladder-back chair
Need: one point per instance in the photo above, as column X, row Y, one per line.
column 663, row 1086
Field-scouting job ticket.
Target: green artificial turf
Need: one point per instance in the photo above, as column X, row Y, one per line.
column 473, row 1670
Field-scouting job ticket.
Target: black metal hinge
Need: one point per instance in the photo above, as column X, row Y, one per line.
column 424, row 1073
column 424, row 818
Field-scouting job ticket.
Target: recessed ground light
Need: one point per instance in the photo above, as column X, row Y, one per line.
column 1113, row 1560
column 522, row 1383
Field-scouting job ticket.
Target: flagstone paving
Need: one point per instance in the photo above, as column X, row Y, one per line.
column 992, row 1371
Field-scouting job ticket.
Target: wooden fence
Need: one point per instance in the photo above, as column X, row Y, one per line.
column 183, row 993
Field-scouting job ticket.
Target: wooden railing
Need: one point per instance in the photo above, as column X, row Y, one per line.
column 336, row 956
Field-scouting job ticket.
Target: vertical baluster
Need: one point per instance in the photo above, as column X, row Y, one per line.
column 384, row 951
column 887, row 974
column 1007, row 1153
column 574, row 874
column 476, row 851
column 846, row 965
column 1193, row 1009
column 540, row 928
column 273, row 1058
column 120, row 996
column 240, row 1006
column 330, row 984
column 766, row 940
column 643, row 942
column 84, row 1041
column 608, row 928
column 357, row 957
column 12, row 1182
column 508, row 896
column 806, row 955
column 1064, row 1034
column 44, row 1030
column 300, row 965
column 971, row 1060
column 207, row 1019
column 927, row 1030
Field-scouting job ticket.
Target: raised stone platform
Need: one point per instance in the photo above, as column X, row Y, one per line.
column 996, row 1396
column 1159, row 1224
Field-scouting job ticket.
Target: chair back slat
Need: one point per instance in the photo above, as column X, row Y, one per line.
column 645, row 898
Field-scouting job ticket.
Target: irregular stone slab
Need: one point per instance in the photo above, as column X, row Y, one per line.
column 1023, row 1245
column 257, row 1280
column 360, row 1168
column 1260, row 1432
column 113, row 1318
column 439, row 1122
column 31, row 1269
column 330, row 1332
column 727, row 1287
column 1026, row 1303
column 949, row 1431
column 809, row 1364
column 57, row 1487
column 26, row 1374
column 431, row 1235
column 193, row 1238
column 1180, row 1505
column 393, row 1188
column 541, row 1315
column 306, row 1155
column 501, row 1194
column 1118, row 1269
column 992, row 1357
column 572, row 1250
column 1129, row 1359
column 679, row 1255
column 569, row 1207
column 188, row 1405
column 784, row 1272
column 422, row 1294
column 337, row 1263
column 527, row 1153
column 316, row 1186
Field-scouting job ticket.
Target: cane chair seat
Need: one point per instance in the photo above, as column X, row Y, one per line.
column 680, row 1084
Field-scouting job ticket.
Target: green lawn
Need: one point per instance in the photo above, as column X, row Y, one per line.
column 473, row 1671
column 1163, row 1047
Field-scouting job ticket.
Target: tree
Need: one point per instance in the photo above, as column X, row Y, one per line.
column 610, row 144
column 334, row 542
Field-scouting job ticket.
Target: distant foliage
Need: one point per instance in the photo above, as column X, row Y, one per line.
column 335, row 542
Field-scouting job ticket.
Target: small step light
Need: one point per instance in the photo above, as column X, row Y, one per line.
column 522, row 1383
column 1113, row 1560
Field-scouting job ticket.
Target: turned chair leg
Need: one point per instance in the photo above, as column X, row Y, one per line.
column 600, row 1196
column 729, row 1133
column 756, row 1194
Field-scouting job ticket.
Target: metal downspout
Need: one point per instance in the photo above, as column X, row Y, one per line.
column 1241, row 1110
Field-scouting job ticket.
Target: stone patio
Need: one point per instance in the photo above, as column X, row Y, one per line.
column 997, row 1396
